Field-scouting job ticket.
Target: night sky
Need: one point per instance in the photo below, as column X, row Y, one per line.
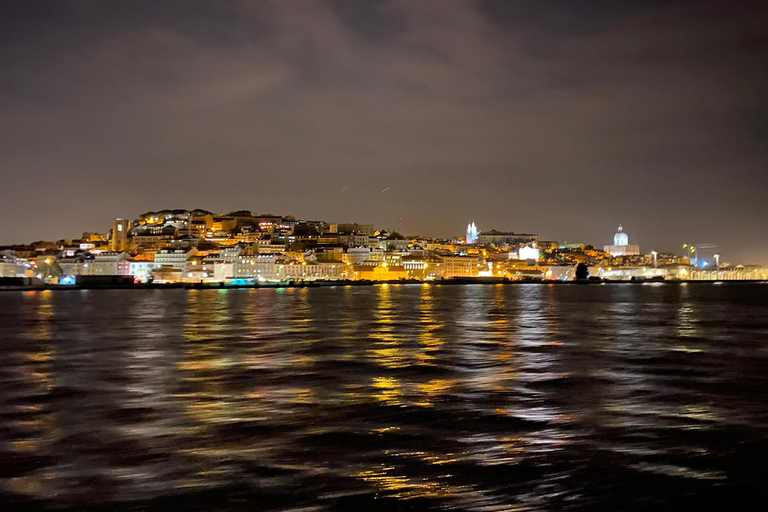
column 563, row 117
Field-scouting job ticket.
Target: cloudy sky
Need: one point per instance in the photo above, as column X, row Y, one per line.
column 563, row 117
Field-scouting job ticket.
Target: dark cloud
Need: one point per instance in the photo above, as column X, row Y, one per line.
column 566, row 117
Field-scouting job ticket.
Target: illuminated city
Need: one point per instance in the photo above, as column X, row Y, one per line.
column 247, row 249
column 383, row 256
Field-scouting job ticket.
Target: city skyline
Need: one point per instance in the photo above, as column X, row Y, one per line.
column 565, row 119
column 682, row 248
column 243, row 248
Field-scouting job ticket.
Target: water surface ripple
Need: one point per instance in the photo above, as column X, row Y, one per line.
column 397, row 397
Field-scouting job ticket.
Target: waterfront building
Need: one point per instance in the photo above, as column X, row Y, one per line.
column 416, row 268
column 460, row 266
column 383, row 272
column 76, row 265
column 141, row 270
column 223, row 270
column 559, row 272
column 167, row 275
column 260, row 266
column 626, row 273
column 11, row 265
column 731, row 273
column 528, row 273
column 311, row 271
column 199, row 273
column 111, row 263
column 621, row 245
column 102, row 264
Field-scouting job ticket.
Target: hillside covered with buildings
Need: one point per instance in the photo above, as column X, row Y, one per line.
column 242, row 247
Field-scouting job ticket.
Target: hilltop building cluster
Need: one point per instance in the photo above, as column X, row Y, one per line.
column 242, row 247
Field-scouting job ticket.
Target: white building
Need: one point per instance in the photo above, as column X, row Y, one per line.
column 261, row 266
column 621, row 245
column 231, row 254
column 174, row 258
column 268, row 267
column 356, row 255
column 141, row 269
column 109, row 264
column 529, row 252
column 630, row 273
column 224, row 270
column 102, row 264
column 11, row 266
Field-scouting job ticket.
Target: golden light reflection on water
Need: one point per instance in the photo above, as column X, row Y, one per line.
column 35, row 425
column 399, row 486
column 401, row 391
column 387, row 390
column 429, row 339
column 41, row 354
column 433, row 390
column 387, row 350
column 687, row 321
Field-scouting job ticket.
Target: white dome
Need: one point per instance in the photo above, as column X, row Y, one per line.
column 620, row 238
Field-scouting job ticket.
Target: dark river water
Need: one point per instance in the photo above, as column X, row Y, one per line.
column 398, row 397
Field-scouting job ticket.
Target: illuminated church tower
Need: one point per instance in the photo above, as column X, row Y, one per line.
column 120, row 240
column 471, row 233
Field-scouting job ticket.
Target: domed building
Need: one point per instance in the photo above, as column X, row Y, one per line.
column 620, row 238
column 621, row 245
